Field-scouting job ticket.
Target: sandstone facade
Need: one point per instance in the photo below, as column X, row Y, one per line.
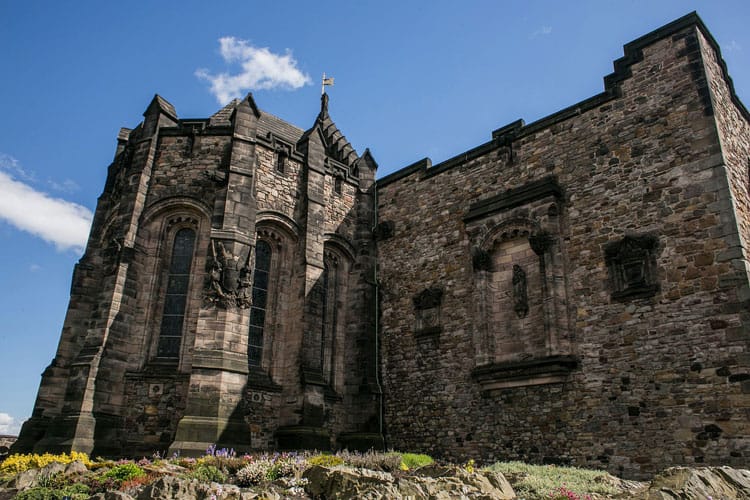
column 593, row 277
column 169, row 342
column 574, row 290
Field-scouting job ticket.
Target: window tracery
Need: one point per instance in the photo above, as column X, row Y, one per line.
column 175, row 301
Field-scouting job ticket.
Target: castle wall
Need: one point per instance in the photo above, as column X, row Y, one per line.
column 574, row 290
column 630, row 377
column 732, row 122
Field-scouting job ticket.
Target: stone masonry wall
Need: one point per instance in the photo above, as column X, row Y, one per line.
column 650, row 389
column 734, row 133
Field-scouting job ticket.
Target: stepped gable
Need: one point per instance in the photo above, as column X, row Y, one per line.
column 337, row 147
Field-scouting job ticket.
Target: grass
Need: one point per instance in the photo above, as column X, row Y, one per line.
column 539, row 481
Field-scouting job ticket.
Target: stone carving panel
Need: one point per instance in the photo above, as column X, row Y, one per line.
column 631, row 263
column 427, row 311
column 229, row 277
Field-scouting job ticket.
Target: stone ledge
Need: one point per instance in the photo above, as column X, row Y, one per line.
column 300, row 437
column 514, row 197
column 260, row 380
column 635, row 292
column 538, row 371
column 214, row 359
column 430, row 331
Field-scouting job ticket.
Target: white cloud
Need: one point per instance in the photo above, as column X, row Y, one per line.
column 9, row 425
column 60, row 222
column 66, row 186
column 12, row 165
column 261, row 69
column 35, row 267
column 732, row 46
column 542, row 31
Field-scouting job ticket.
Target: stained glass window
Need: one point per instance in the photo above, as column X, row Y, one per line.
column 260, row 302
column 175, row 300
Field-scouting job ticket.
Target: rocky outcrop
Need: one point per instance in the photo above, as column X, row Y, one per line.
column 433, row 482
column 723, row 483
column 345, row 482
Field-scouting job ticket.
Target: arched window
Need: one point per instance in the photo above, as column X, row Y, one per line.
column 260, row 302
column 281, row 160
column 330, row 327
column 338, row 185
column 175, row 300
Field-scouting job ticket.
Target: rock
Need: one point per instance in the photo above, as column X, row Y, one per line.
column 699, row 483
column 459, row 483
column 8, row 494
column 177, row 488
column 52, row 469
column 344, row 482
column 433, row 483
column 111, row 495
column 25, row 479
column 165, row 468
column 76, row 467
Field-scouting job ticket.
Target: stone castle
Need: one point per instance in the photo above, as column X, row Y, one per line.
column 574, row 290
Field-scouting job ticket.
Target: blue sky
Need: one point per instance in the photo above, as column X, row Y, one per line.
column 413, row 79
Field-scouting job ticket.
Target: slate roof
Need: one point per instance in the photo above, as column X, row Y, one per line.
column 221, row 117
column 280, row 128
column 267, row 124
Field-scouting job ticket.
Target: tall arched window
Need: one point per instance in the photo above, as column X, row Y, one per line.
column 260, row 302
column 175, row 300
column 329, row 319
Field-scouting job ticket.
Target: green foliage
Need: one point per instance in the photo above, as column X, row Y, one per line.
column 372, row 460
column 229, row 464
column 124, row 472
column 325, row 460
column 76, row 491
column 206, row 473
column 415, row 460
column 258, row 470
column 544, row 481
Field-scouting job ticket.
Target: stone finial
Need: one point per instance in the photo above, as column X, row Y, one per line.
column 324, row 105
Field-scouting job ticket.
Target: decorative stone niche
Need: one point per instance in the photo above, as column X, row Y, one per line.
column 520, row 330
column 631, row 263
column 383, row 231
column 427, row 312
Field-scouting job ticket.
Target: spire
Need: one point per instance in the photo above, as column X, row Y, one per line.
column 324, row 105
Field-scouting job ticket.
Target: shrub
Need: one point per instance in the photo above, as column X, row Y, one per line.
column 325, row 460
column 253, row 473
column 21, row 462
column 268, row 469
column 206, row 473
column 563, row 493
column 227, row 464
column 415, row 460
column 543, row 481
column 73, row 492
column 100, row 484
column 124, row 472
column 372, row 460
column 135, row 482
column 187, row 462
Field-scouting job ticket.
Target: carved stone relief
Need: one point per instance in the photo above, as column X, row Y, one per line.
column 229, row 277
column 520, row 295
column 631, row 263
column 427, row 311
